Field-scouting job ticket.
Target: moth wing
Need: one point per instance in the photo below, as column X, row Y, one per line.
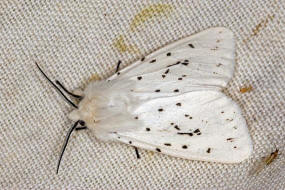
column 201, row 125
column 178, row 92
column 206, row 58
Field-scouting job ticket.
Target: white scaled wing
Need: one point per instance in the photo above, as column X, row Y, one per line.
column 180, row 103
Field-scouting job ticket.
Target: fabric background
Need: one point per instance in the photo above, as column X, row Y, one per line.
column 73, row 41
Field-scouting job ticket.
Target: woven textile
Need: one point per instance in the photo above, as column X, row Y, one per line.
column 78, row 41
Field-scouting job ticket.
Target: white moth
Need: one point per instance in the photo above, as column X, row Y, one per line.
column 171, row 102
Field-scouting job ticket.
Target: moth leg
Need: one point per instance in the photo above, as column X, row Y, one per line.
column 118, row 66
column 137, row 152
column 80, row 128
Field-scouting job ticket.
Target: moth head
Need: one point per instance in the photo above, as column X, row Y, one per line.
column 93, row 102
column 86, row 111
column 57, row 85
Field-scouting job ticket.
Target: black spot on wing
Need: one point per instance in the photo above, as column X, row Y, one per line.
column 166, row 71
column 139, row 78
column 176, row 127
column 230, row 139
column 167, row 144
column 208, row 150
column 184, row 146
column 168, row 54
column 157, row 90
column 152, row 61
column 190, row 134
column 158, row 150
column 176, row 90
column 160, row 109
column 174, row 64
column 191, row 45
column 197, row 131
column 219, row 64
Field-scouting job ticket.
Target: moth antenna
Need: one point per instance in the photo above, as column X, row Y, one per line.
column 276, row 148
column 70, row 102
column 65, row 143
column 65, row 90
column 118, row 66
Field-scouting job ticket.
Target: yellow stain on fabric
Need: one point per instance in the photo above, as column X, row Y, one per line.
column 144, row 15
column 148, row 13
column 94, row 77
column 122, row 46
column 149, row 155
column 246, row 89
column 260, row 26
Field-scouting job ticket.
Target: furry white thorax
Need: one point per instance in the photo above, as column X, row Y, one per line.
column 107, row 108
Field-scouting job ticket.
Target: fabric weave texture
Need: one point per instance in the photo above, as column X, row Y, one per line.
column 75, row 42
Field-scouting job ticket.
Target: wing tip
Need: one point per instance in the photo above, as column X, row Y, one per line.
column 243, row 153
column 246, row 153
column 236, row 158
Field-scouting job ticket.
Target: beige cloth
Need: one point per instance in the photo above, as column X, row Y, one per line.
column 76, row 41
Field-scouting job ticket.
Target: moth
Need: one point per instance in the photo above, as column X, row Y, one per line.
column 266, row 161
column 170, row 102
